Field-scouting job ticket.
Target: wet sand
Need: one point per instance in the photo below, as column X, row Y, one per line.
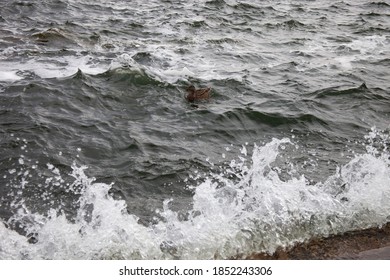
column 369, row 244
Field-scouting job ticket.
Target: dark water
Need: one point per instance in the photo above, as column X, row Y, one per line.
column 101, row 156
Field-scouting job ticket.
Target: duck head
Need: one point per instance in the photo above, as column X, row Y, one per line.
column 191, row 93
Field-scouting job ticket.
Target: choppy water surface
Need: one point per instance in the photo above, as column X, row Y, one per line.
column 102, row 157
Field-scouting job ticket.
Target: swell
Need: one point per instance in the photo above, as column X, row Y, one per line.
column 361, row 92
column 126, row 75
column 272, row 119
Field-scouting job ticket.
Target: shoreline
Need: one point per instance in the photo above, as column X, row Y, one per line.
column 368, row 244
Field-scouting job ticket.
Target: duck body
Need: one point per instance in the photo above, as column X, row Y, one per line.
column 197, row 94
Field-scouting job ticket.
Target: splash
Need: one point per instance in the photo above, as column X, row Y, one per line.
column 246, row 206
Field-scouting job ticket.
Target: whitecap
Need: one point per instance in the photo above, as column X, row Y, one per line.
column 9, row 76
column 375, row 44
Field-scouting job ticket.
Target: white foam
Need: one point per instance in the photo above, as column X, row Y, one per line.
column 66, row 66
column 59, row 67
column 255, row 211
column 370, row 44
column 8, row 52
column 330, row 54
column 8, row 251
column 345, row 62
column 9, row 76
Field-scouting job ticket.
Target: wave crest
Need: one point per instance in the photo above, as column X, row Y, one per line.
column 247, row 206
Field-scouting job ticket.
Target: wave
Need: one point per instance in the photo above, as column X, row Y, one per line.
column 380, row 5
column 119, row 76
column 217, row 3
column 361, row 92
column 54, row 37
column 288, row 25
column 242, row 208
column 356, row 92
column 196, row 23
column 247, row 7
column 137, row 77
column 221, row 41
column 272, row 118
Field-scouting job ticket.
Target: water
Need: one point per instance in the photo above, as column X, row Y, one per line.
column 102, row 157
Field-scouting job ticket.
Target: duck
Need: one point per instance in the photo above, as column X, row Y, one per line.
column 197, row 94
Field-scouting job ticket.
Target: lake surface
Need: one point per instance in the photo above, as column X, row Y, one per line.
column 102, row 157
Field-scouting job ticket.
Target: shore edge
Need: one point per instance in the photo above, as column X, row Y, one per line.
column 368, row 244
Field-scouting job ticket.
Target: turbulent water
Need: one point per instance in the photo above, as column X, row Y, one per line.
column 102, row 157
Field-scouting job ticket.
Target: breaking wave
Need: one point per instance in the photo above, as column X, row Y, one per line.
column 250, row 204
